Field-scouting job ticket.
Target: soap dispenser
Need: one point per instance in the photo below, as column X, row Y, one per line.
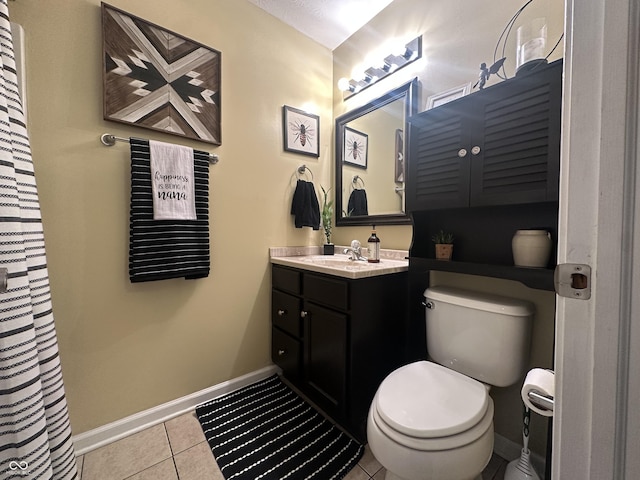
column 374, row 247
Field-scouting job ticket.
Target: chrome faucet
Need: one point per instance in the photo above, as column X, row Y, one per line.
column 355, row 251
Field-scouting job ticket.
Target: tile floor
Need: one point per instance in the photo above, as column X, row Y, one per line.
column 177, row 450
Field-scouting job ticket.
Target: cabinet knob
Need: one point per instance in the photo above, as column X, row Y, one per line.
column 462, row 152
column 281, row 352
column 282, row 313
column 303, row 314
column 475, row 150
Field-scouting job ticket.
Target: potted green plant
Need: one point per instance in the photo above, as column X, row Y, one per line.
column 326, row 217
column 444, row 245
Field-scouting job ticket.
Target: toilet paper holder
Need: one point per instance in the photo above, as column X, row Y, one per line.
column 541, row 400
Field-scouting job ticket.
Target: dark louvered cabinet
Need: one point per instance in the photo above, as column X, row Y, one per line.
column 482, row 167
column 498, row 146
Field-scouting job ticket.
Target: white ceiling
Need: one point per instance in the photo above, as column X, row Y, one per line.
column 328, row 22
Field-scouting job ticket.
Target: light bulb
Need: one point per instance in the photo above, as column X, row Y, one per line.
column 343, row 84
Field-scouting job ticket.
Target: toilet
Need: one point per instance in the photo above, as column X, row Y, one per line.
column 433, row 420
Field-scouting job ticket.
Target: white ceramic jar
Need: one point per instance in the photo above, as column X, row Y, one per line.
column 531, row 248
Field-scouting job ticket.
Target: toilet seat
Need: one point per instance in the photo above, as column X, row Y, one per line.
column 426, row 406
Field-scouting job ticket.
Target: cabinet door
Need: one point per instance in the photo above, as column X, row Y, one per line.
column 498, row 146
column 518, row 140
column 325, row 357
column 439, row 157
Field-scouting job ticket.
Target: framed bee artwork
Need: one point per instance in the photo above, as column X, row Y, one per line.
column 355, row 148
column 301, row 131
column 157, row 79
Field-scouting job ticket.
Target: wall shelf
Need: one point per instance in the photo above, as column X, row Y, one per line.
column 539, row 278
column 482, row 243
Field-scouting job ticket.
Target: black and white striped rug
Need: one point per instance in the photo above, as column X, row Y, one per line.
column 266, row 431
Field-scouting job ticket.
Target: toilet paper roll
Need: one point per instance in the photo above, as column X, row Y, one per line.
column 543, row 382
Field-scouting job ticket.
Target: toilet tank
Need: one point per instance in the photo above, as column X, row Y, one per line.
column 484, row 336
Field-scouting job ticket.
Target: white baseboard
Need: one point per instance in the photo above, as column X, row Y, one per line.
column 98, row 437
column 511, row 450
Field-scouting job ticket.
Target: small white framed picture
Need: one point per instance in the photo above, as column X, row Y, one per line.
column 447, row 96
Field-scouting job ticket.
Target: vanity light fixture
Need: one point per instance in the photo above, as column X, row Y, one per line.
column 409, row 53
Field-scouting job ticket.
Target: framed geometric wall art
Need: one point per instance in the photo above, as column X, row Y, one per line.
column 156, row 79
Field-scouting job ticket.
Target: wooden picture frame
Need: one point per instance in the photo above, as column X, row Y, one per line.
column 448, row 95
column 355, row 148
column 157, row 79
column 399, row 156
column 301, row 131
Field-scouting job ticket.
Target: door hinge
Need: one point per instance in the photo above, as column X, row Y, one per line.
column 573, row 280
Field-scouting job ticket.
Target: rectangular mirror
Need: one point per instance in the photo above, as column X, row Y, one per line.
column 370, row 159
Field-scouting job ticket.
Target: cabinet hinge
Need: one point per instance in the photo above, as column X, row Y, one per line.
column 573, row 280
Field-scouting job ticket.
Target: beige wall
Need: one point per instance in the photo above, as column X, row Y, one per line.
column 457, row 37
column 126, row 348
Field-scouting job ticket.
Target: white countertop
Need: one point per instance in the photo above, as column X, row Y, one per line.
column 311, row 258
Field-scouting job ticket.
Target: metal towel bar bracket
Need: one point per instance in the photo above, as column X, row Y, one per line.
column 302, row 169
column 110, row 140
column 541, row 400
column 356, row 179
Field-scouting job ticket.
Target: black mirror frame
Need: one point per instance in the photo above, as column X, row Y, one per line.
column 409, row 91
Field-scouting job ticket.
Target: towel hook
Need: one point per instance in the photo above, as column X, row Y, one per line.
column 355, row 181
column 302, row 169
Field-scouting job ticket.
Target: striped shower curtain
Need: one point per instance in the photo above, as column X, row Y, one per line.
column 35, row 435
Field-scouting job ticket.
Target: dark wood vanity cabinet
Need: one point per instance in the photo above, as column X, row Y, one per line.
column 337, row 338
column 497, row 146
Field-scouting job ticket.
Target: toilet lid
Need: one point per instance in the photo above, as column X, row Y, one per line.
column 426, row 400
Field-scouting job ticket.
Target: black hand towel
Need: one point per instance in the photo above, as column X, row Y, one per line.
column 305, row 206
column 163, row 249
column 358, row 203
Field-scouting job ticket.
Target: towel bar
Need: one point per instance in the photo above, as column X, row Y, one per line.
column 110, row 140
column 540, row 400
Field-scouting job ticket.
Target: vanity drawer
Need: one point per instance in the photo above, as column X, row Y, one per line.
column 327, row 291
column 285, row 279
column 285, row 312
column 285, row 352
